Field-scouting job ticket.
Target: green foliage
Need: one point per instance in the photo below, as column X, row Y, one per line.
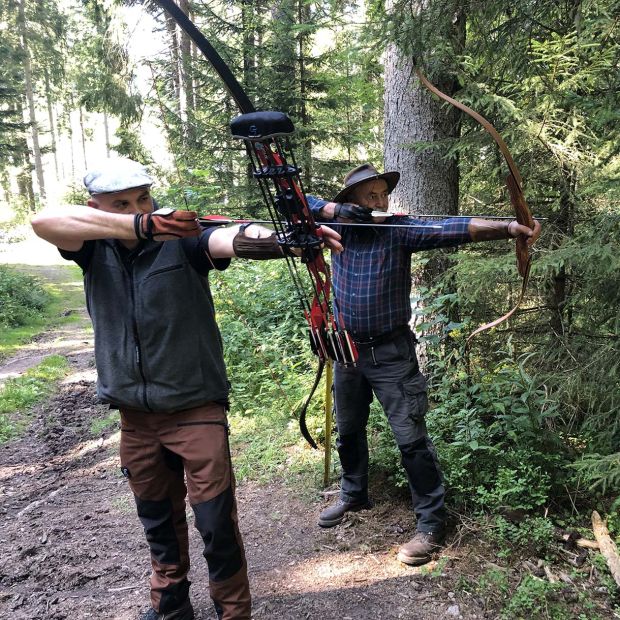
column 531, row 535
column 600, row 472
column 22, row 392
column 271, row 369
column 21, row 297
column 535, row 598
column 495, row 437
column 76, row 195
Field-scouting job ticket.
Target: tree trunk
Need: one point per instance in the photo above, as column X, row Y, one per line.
column 83, row 137
column 429, row 182
column 29, row 86
column 171, row 27
column 25, row 186
column 304, row 17
column 106, row 130
column 564, row 225
column 185, row 76
column 50, row 116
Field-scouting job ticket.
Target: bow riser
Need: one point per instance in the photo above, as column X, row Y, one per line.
column 266, row 138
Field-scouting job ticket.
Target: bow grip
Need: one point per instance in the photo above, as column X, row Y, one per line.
column 524, row 217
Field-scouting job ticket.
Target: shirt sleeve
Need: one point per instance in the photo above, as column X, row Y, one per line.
column 82, row 256
column 197, row 252
column 315, row 205
column 430, row 234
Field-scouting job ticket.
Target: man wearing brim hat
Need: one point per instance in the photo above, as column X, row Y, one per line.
column 159, row 359
column 372, row 285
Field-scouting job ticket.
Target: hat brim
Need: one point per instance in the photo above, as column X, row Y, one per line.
column 391, row 178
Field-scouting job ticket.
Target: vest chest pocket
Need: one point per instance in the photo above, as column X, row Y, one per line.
column 164, row 270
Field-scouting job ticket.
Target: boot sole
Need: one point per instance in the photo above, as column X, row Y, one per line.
column 416, row 561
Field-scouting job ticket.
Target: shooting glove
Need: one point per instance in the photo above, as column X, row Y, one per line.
column 165, row 224
column 350, row 211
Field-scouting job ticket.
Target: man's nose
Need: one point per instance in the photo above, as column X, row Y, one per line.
column 143, row 207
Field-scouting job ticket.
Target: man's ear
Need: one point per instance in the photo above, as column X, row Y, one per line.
column 92, row 203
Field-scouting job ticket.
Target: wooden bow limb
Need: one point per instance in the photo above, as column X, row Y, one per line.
column 514, row 183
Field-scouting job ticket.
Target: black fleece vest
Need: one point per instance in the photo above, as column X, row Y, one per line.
column 157, row 345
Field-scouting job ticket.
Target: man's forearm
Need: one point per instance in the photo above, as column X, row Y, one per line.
column 68, row 227
column 487, row 230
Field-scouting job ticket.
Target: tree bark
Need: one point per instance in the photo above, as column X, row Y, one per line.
column 304, row 16
column 106, row 130
column 607, row 546
column 29, row 88
column 429, row 182
column 83, row 137
column 185, row 78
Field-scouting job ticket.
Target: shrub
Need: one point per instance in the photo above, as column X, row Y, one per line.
column 21, row 297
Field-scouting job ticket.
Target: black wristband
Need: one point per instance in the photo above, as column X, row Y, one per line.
column 137, row 225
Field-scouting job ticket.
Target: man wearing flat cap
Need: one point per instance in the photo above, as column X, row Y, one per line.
column 372, row 286
column 158, row 353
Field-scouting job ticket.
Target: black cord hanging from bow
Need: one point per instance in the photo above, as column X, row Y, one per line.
column 266, row 136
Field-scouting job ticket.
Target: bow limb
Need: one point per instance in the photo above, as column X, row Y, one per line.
column 514, row 183
column 210, row 53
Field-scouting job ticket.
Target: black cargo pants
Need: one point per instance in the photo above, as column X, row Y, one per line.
column 389, row 369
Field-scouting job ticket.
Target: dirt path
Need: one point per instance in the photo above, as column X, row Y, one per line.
column 72, row 546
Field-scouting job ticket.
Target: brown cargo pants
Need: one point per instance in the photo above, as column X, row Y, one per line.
column 159, row 453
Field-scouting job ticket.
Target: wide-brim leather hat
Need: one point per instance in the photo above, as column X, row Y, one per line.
column 362, row 174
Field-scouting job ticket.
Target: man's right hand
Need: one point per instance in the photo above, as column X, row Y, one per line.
column 352, row 212
column 166, row 224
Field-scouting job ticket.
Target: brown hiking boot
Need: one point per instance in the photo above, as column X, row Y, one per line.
column 421, row 547
column 185, row 612
column 334, row 514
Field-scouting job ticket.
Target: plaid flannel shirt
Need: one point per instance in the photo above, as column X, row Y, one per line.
column 371, row 279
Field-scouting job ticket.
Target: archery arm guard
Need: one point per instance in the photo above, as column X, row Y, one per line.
column 487, row 230
column 257, row 248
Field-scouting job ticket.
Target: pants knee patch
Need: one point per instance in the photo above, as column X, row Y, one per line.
column 174, row 596
column 214, row 521
column 421, row 467
column 158, row 522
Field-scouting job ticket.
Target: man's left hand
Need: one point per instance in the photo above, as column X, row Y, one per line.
column 515, row 229
column 331, row 239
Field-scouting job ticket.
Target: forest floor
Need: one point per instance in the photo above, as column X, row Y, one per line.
column 72, row 546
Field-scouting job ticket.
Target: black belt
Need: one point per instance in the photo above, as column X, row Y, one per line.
column 373, row 341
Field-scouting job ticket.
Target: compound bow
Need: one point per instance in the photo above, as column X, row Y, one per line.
column 266, row 136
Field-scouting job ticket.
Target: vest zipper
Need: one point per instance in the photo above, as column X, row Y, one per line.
column 136, row 339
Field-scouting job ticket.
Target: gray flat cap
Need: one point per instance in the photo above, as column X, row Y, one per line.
column 116, row 175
